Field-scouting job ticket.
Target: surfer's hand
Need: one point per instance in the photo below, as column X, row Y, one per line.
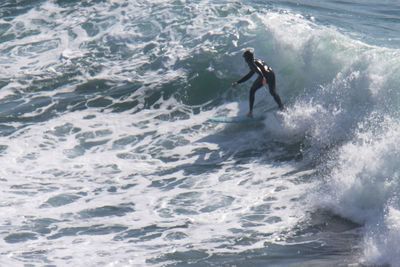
column 234, row 84
column 264, row 81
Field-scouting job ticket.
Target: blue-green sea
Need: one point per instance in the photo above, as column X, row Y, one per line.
column 108, row 156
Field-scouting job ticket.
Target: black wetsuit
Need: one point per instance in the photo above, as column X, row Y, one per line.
column 259, row 67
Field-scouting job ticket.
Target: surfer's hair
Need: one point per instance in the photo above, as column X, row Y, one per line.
column 248, row 54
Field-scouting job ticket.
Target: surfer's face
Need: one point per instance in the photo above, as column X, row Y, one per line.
column 248, row 56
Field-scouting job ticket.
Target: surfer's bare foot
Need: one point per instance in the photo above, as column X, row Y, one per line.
column 250, row 114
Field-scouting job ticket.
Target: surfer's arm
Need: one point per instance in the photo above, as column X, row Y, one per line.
column 245, row 78
column 256, row 66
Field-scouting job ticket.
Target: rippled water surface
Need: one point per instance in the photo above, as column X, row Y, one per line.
column 108, row 157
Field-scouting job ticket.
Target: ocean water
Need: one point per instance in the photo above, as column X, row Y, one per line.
column 108, row 157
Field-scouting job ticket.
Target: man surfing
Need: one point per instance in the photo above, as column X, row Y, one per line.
column 265, row 76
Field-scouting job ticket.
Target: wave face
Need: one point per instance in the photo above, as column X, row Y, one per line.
column 108, row 157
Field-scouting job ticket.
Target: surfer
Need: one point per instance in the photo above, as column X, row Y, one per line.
column 265, row 76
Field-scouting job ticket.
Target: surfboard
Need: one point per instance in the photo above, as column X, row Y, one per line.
column 237, row 119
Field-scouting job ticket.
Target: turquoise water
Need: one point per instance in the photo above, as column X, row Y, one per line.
column 109, row 159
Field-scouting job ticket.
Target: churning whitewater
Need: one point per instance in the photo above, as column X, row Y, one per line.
column 109, row 157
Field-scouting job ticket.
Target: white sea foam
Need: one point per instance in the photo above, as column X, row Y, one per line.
column 357, row 109
column 136, row 186
column 84, row 159
column 364, row 184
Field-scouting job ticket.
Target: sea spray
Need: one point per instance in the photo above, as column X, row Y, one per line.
column 351, row 120
column 109, row 157
column 364, row 182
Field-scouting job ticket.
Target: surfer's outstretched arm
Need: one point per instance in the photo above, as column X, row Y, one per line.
column 246, row 77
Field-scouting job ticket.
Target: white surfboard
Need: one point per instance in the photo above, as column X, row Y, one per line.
column 237, row 119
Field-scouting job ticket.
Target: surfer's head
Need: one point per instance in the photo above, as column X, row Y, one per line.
column 248, row 55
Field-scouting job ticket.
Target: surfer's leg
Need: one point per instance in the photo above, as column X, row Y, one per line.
column 256, row 85
column 271, row 86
